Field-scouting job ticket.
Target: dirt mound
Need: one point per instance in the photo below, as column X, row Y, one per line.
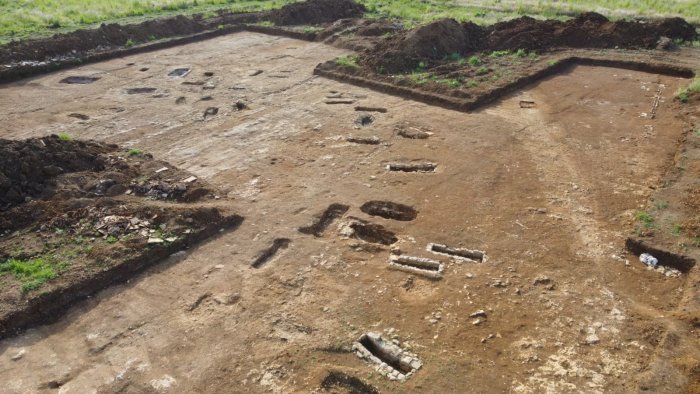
column 107, row 35
column 590, row 30
column 316, row 11
column 431, row 41
column 27, row 167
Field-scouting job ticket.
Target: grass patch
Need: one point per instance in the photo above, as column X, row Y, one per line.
column 21, row 19
column 32, row 273
column 482, row 71
column 644, row 218
column 453, row 57
column 135, row 152
column 683, row 94
column 500, row 53
column 677, row 229
column 348, row 61
column 661, row 205
column 65, row 137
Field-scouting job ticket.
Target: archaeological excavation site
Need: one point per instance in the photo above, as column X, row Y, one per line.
column 312, row 200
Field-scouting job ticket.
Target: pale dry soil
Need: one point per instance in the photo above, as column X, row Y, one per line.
column 547, row 191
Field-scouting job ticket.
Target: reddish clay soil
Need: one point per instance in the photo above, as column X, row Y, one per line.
column 333, row 180
column 496, row 249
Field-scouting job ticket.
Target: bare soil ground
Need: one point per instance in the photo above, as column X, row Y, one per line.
column 549, row 192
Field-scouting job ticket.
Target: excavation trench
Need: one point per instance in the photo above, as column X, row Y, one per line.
column 266, row 255
column 412, row 167
column 389, row 210
column 461, row 253
column 417, row 265
column 667, row 259
column 333, row 212
column 379, row 350
column 79, row 80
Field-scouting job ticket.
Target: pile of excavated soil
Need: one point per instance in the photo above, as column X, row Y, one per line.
column 107, row 35
column 316, row 11
column 45, row 177
column 590, row 30
column 27, row 167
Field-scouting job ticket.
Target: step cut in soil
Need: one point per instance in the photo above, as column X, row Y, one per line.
column 412, row 167
column 79, row 80
column 267, row 254
column 353, row 385
column 417, row 265
column 475, row 256
column 364, row 140
column 179, row 72
column 666, row 259
column 333, row 212
column 368, row 232
column 389, row 359
column 389, row 210
column 140, row 90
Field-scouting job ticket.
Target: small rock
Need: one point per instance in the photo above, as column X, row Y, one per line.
column 477, row 322
column 542, row 280
column 665, row 43
column 18, row 355
column 227, row 299
column 592, row 339
column 153, row 240
column 479, row 313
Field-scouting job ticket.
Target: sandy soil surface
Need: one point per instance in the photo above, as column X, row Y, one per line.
column 547, row 192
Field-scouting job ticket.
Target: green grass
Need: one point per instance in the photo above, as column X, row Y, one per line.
column 661, row 205
column 65, row 137
column 683, row 94
column 21, row 19
column 644, row 218
column 135, row 152
column 32, row 273
column 348, row 61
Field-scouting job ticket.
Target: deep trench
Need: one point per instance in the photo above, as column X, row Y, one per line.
column 378, row 351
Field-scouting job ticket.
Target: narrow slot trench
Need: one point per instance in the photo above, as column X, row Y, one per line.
column 475, row 255
column 267, row 254
column 333, row 212
column 389, row 210
column 667, row 259
column 364, row 140
column 417, row 262
column 79, row 80
column 378, row 351
column 412, row 167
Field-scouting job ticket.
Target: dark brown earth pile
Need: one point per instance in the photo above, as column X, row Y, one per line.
column 27, row 167
column 590, row 30
column 316, row 11
column 43, row 178
column 107, row 35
